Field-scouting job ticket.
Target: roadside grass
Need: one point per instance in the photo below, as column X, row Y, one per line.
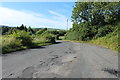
column 10, row 44
column 108, row 41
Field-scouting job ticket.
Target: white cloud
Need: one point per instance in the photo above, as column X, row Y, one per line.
column 57, row 14
column 16, row 18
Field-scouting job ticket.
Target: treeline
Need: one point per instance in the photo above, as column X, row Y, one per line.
column 10, row 30
column 33, row 31
column 19, row 38
column 92, row 20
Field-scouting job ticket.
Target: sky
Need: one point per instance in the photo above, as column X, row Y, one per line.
column 37, row 14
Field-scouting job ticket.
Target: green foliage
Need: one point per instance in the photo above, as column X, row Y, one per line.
column 22, row 27
column 96, row 13
column 84, row 32
column 24, row 37
column 7, row 30
column 49, row 38
column 41, row 31
column 4, row 29
column 30, row 30
column 103, row 31
column 62, row 32
column 108, row 41
column 72, row 35
column 20, row 39
column 92, row 20
column 10, row 44
column 10, row 30
column 55, row 33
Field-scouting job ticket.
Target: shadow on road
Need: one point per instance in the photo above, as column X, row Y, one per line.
column 38, row 47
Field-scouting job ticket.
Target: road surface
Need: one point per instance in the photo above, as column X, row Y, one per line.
column 62, row 60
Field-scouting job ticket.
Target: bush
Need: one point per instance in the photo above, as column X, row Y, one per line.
column 49, row 38
column 24, row 37
column 51, row 33
column 10, row 44
column 41, row 31
column 109, row 41
column 80, row 32
column 103, row 31
column 56, row 37
column 86, row 32
column 72, row 35
column 22, row 40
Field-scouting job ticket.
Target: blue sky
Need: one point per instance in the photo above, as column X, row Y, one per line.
column 37, row 14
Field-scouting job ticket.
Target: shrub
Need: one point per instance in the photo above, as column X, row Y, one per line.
column 56, row 37
column 49, row 38
column 51, row 33
column 10, row 44
column 103, row 31
column 109, row 41
column 24, row 37
column 80, row 32
column 41, row 31
column 72, row 35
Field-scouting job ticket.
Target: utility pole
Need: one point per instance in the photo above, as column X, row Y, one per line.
column 67, row 25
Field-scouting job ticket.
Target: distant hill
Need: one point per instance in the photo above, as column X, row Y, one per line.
column 7, row 26
column 3, row 26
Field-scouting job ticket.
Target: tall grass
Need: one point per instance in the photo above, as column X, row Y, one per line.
column 108, row 41
column 10, row 44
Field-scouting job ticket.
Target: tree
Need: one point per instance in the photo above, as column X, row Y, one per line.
column 22, row 27
column 96, row 13
column 31, row 30
column 4, row 29
column 90, row 19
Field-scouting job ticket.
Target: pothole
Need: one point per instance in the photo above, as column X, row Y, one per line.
column 111, row 71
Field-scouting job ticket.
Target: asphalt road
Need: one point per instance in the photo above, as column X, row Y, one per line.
column 62, row 60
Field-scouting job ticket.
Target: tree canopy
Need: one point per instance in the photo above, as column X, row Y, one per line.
column 93, row 19
column 96, row 13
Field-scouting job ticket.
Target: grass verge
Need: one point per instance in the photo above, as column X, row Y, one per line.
column 108, row 41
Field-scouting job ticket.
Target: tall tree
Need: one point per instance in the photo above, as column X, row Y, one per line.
column 91, row 19
column 96, row 13
column 22, row 27
column 31, row 30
